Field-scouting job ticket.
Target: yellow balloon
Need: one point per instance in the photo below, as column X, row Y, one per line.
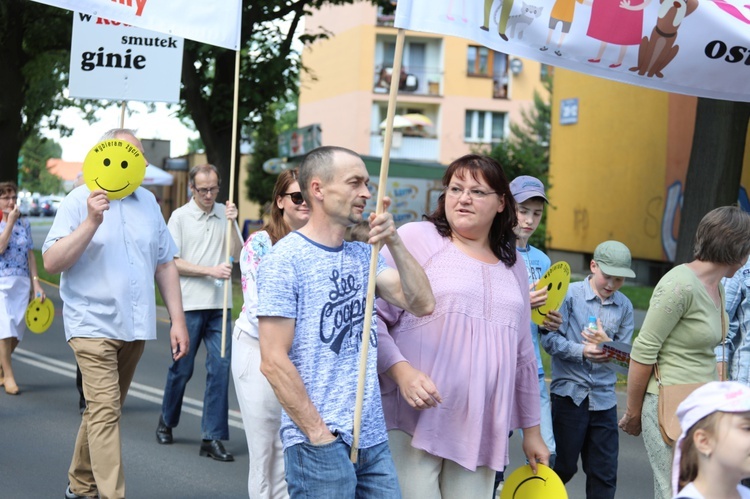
column 523, row 484
column 115, row 166
column 556, row 280
column 39, row 315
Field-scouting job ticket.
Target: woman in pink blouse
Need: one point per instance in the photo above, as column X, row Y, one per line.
column 456, row 382
column 261, row 411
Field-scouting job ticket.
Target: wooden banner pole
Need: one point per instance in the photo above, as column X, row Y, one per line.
column 229, row 231
column 384, row 164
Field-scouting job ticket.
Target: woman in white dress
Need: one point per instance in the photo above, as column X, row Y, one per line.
column 18, row 274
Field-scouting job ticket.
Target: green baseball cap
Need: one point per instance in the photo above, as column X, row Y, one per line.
column 613, row 258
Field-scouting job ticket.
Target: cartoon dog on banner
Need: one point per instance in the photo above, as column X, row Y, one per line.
column 660, row 48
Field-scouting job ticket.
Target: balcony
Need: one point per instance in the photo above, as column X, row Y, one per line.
column 406, row 147
column 384, row 19
column 414, row 80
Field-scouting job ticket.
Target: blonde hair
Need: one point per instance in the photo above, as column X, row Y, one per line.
column 690, row 456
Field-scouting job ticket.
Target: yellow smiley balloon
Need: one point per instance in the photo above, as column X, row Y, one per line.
column 115, row 166
column 556, row 280
column 39, row 315
column 524, row 484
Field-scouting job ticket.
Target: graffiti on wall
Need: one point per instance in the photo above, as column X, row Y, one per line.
column 581, row 219
column 672, row 208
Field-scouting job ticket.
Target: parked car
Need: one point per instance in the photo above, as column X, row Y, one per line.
column 48, row 205
column 24, row 206
column 34, row 208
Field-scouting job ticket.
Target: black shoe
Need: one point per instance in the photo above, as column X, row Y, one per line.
column 69, row 494
column 216, row 450
column 163, row 432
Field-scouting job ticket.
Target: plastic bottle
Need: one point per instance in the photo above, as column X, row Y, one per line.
column 219, row 283
column 592, row 323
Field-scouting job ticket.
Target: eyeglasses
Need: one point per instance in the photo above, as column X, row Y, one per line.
column 475, row 194
column 9, row 198
column 296, row 197
column 203, row 191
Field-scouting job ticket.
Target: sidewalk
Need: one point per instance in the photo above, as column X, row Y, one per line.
column 638, row 316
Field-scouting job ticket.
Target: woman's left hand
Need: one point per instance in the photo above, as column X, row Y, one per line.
column 630, row 423
column 534, row 447
column 415, row 386
column 39, row 291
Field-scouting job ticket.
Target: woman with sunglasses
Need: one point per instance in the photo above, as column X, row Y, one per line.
column 18, row 274
column 474, row 352
column 261, row 411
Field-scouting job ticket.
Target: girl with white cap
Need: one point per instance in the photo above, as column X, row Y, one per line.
column 712, row 454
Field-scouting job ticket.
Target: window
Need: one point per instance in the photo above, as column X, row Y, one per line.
column 547, row 71
column 479, row 61
column 484, row 126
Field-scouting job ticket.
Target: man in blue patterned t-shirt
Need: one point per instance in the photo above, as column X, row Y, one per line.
column 312, row 291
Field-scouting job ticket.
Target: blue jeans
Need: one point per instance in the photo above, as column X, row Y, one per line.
column 546, row 425
column 325, row 471
column 594, row 436
column 203, row 325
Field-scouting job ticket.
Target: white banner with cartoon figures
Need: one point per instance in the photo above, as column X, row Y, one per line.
column 216, row 23
column 694, row 47
column 111, row 60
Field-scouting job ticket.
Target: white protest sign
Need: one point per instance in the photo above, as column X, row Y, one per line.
column 216, row 23
column 111, row 60
column 694, row 47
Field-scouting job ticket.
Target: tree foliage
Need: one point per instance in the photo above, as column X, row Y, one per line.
column 33, row 169
column 269, row 69
column 526, row 150
column 34, row 57
column 276, row 119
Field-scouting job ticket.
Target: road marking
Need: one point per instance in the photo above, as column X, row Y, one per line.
column 138, row 390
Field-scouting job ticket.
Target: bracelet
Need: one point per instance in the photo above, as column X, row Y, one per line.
column 35, row 278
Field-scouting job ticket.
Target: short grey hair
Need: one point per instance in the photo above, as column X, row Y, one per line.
column 113, row 133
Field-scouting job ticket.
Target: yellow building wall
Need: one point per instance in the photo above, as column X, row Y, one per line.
column 341, row 64
column 619, row 173
column 607, row 171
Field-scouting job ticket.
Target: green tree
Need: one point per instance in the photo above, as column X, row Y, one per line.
column 34, row 174
column 196, row 145
column 34, row 57
column 526, row 150
column 269, row 68
column 276, row 119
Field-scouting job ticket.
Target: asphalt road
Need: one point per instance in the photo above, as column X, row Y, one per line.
column 38, row 429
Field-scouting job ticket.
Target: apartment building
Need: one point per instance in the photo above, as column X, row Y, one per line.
column 460, row 95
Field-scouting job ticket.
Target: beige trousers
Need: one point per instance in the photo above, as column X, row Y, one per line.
column 107, row 367
column 424, row 476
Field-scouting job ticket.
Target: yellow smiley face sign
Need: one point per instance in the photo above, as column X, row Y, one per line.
column 39, row 315
column 524, row 484
column 556, row 280
column 115, row 166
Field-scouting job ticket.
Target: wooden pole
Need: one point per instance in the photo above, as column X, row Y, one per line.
column 122, row 114
column 229, row 231
column 384, row 164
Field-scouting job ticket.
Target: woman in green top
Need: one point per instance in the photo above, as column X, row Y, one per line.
column 681, row 329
